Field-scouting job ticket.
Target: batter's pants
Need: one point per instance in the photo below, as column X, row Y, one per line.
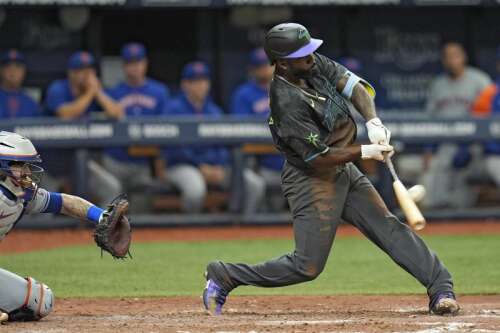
column 319, row 201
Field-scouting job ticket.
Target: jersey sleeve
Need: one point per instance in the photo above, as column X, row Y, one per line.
column 330, row 69
column 239, row 105
column 55, row 98
column 299, row 132
column 45, row 202
column 163, row 98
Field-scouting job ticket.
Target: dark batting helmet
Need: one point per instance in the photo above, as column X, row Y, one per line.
column 289, row 40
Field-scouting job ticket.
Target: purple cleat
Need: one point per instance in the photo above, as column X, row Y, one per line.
column 444, row 304
column 214, row 297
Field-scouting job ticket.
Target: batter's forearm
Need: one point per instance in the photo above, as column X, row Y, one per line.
column 75, row 206
column 363, row 102
column 337, row 156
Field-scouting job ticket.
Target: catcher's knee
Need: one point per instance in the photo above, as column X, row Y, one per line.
column 38, row 303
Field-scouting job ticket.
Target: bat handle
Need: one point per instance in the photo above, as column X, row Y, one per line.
column 390, row 166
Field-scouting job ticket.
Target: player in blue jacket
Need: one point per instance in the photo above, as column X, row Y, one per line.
column 192, row 168
column 14, row 102
column 138, row 96
column 252, row 99
column 81, row 93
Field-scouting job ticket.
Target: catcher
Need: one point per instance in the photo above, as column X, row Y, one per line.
column 27, row 299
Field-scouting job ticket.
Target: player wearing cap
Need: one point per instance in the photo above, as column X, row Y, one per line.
column 81, row 93
column 138, row 96
column 14, row 102
column 192, row 168
column 312, row 126
column 252, row 99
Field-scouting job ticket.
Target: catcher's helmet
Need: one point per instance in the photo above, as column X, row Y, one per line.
column 289, row 40
column 15, row 149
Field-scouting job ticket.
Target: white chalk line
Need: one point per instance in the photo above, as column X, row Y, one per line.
column 302, row 322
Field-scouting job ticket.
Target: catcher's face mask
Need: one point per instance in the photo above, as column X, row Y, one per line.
column 24, row 175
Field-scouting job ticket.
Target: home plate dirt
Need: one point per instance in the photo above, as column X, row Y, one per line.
column 480, row 314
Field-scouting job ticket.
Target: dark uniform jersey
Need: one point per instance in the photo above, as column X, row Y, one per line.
column 306, row 122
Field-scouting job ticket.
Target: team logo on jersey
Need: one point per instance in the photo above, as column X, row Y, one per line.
column 313, row 139
column 271, row 121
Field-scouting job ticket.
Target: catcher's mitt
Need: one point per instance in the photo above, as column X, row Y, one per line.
column 113, row 233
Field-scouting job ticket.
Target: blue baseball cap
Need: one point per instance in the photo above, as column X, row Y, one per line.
column 258, row 57
column 81, row 59
column 196, row 70
column 133, row 52
column 13, row 55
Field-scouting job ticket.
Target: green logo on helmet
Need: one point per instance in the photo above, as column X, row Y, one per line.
column 304, row 34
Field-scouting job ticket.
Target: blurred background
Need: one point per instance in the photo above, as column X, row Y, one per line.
column 167, row 100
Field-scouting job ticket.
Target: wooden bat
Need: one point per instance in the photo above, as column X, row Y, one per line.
column 413, row 215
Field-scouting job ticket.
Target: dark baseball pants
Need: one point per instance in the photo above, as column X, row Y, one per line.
column 318, row 202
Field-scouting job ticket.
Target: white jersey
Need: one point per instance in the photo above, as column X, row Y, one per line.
column 12, row 208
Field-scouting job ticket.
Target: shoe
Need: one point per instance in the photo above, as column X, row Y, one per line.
column 214, row 297
column 444, row 304
column 3, row 317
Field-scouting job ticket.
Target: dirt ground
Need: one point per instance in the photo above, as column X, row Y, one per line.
column 280, row 314
column 265, row 314
column 31, row 240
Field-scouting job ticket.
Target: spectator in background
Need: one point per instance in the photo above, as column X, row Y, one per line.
column 191, row 169
column 81, row 93
column 252, row 99
column 451, row 95
column 138, row 96
column 14, row 102
column 487, row 104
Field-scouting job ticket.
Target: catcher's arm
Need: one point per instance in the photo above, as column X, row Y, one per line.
column 80, row 208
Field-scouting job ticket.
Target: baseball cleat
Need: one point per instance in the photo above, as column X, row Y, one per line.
column 214, row 297
column 444, row 304
column 3, row 317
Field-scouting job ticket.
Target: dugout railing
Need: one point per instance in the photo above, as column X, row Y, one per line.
column 83, row 137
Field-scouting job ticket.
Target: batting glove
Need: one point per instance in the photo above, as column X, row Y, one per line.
column 376, row 152
column 377, row 132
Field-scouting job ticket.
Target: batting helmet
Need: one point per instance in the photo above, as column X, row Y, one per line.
column 289, row 40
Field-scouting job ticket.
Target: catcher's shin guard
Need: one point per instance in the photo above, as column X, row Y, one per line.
column 24, row 299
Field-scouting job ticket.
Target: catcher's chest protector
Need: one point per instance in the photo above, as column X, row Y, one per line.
column 10, row 210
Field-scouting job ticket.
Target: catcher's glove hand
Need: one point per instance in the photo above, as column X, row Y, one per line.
column 113, row 233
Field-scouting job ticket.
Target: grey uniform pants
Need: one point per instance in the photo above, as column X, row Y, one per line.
column 318, row 203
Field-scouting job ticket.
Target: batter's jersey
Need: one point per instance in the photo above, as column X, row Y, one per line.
column 12, row 207
column 305, row 123
column 15, row 104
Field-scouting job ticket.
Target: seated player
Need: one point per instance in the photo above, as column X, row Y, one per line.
column 25, row 299
column 81, row 93
column 190, row 169
column 138, row 96
column 14, row 102
column 252, row 99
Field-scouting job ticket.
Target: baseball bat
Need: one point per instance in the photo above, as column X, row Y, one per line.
column 413, row 215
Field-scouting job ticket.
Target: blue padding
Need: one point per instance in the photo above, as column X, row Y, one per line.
column 94, row 214
column 55, row 203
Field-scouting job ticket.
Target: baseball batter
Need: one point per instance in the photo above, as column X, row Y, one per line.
column 312, row 126
column 27, row 299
